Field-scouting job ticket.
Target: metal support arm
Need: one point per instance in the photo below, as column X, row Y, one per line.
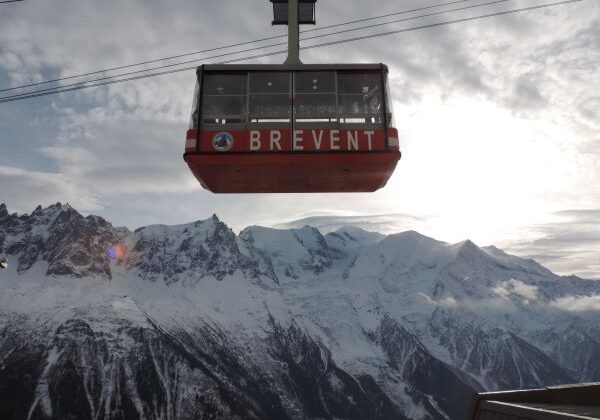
column 293, row 34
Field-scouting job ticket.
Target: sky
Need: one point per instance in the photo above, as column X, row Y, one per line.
column 499, row 119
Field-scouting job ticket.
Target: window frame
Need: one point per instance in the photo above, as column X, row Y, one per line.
column 247, row 119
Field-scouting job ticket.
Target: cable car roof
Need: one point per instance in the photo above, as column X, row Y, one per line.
column 291, row 67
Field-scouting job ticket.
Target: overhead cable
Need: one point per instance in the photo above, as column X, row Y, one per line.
column 384, row 16
column 335, row 42
column 226, row 46
column 181, row 63
column 433, row 25
column 405, row 19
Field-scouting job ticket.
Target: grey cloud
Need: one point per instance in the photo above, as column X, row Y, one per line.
column 382, row 223
column 571, row 245
column 23, row 190
column 586, row 37
column 586, row 216
column 139, row 178
column 590, row 108
column 573, row 63
column 591, row 146
column 123, row 156
column 577, row 303
column 526, row 93
column 86, row 35
column 438, row 57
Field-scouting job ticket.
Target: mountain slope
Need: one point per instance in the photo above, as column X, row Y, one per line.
column 192, row 321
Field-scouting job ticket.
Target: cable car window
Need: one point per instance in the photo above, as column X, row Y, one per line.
column 360, row 105
column 224, row 84
column 314, row 97
column 315, row 82
column 269, row 96
column 274, row 107
column 360, row 97
column 229, row 109
column 224, row 98
column 319, row 107
column 270, row 82
column 355, row 82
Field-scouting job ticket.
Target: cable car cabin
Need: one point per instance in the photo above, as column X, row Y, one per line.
column 281, row 129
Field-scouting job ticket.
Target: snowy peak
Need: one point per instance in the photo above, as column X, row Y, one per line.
column 479, row 272
column 316, row 246
column 517, row 263
column 190, row 251
column 61, row 237
column 310, row 238
column 407, row 244
column 474, row 256
column 471, row 262
column 400, row 254
column 351, row 237
column 201, row 228
column 470, row 255
column 292, row 251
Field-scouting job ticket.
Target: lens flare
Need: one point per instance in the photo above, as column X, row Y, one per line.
column 116, row 253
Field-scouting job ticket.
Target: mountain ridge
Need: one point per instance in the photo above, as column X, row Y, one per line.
column 194, row 321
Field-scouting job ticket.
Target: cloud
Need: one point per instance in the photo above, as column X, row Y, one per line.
column 483, row 306
column 515, row 291
column 590, row 217
column 23, row 190
column 514, row 287
column 527, row 94
column 329, row 221
column 577, row 303
column 568, row 244
column 589, row 108
column 109, row 155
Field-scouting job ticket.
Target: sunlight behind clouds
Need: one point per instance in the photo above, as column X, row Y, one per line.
column 481, row 166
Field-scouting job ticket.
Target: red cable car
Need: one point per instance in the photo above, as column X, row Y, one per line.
column 292, row 128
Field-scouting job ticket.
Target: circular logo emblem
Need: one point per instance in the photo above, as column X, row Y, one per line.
column 222, row 141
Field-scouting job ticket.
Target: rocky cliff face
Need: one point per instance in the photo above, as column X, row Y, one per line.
column 68, row 242
column 194, row 322
column 207, row 248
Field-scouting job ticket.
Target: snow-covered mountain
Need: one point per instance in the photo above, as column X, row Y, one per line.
column 195, row 322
